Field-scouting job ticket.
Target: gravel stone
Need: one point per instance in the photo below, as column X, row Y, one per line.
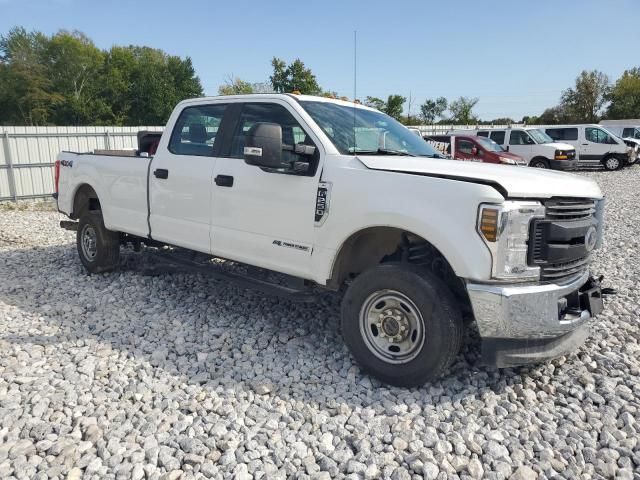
column 160, row 373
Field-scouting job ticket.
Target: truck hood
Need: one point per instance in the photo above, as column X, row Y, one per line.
column 514, row 182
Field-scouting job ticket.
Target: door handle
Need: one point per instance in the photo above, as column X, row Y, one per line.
column 224, row 181
column 585, row 144
column 162, row 173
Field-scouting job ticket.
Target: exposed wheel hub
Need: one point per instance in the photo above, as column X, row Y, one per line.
column 393, row 325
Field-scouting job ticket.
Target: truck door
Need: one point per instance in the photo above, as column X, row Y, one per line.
column 180, row 179
column 521, row 144
column 597, row 143
column 260, row 217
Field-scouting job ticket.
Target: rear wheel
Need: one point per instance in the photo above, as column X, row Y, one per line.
column 401, row 324
column 539, row 163
column 612, row 163
column 98, row 248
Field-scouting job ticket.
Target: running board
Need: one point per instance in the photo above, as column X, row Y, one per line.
column 305, row 294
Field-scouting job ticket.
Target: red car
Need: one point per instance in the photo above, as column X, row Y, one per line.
column 474, row 149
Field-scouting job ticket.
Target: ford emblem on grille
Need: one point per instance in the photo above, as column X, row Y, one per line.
column 590, row 238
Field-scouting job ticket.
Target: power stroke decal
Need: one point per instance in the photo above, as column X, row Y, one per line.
column 295, row 246
column 322, row 202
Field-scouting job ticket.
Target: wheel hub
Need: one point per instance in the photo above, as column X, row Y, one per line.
column 393, row 325
column 89, row 242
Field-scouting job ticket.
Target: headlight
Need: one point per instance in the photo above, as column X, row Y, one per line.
column 561, row 155
column 505, row 230
column 507, row 160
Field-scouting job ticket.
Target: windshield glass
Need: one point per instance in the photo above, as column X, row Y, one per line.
column 489, row 144
column 539, row 136
column 368, row 132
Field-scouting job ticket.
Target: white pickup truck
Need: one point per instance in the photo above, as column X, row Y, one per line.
column 336, row 194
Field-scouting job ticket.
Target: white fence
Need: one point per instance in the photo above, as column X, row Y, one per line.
column 27, row 154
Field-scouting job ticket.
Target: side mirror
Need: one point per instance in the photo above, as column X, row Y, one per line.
column 507, row 149
column 263, row 146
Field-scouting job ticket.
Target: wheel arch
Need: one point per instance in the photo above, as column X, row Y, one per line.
column 85, row 196
column 375, row 245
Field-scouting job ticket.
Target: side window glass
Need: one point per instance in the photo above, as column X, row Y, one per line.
column 627, row 132
column 519, row 137
column 483, row 134
column 555, row 133
column 498, row 137
column 596, row 135
column 464, row 146
column 292, row 132
column 196, row 130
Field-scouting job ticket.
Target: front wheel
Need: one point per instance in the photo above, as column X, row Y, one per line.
column 401, row 324
column 612, row 163
column 539, row 163
column 98, row 248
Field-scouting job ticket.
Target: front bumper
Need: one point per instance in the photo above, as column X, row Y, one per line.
column 533, row 323
column 563, row 164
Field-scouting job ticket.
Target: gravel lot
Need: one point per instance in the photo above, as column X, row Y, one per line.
column 179, row 376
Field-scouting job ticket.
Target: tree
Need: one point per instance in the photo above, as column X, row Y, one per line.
column 375, row 102
column 462, row 110
column 625, row 96
column 73, row 66
column 553, row 116
column 393, row 107
column 585, row 101
column 235, row 86
column 26, row 95
column 432, row 109
column 293, row 77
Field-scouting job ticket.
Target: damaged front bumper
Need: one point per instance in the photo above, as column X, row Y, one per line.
column 533, row 323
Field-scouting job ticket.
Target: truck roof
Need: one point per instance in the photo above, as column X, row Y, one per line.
column 272, row 96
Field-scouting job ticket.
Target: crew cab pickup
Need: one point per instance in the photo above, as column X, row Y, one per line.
column 343, row 197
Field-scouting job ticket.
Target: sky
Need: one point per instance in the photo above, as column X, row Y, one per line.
column 515, row 56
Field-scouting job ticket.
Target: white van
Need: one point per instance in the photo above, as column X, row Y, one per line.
column 595, row 145
column 626, row 129
column 532, row 144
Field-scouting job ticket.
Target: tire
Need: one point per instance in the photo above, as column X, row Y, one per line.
column 419, row 311
column 98, row 248
column 612, row 163
column 539, row 163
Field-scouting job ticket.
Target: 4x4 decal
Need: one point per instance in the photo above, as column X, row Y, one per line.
column 322, row 202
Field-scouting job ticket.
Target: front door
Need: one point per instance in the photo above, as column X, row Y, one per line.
column 521, row 144
column 180, row 180
column 261, row 217
column 597, row 143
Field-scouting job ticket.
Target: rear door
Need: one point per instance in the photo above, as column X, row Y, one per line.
column 265, row 218
column 180, row 179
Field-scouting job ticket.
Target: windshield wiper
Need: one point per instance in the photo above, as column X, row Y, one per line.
column 385, row 151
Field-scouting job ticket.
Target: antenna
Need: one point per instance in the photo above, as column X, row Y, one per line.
column 355, row 70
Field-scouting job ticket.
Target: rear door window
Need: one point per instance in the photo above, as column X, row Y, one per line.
column 498, row 136
column 196, row 130
column 563, row 133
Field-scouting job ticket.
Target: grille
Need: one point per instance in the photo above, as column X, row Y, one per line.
column 561, row 213
column 570, row 209
column 559, row 271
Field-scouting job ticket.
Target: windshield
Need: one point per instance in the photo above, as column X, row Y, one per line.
column 367, row 132
column 539, row 136
column 489, row 144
